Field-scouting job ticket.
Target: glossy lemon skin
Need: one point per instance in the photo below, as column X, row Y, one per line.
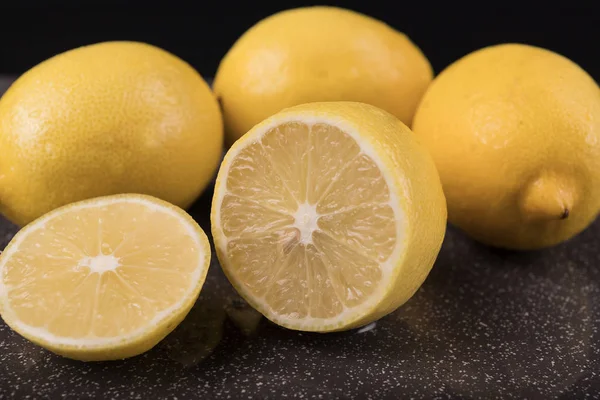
column 515, row 134
column 319, row 54
column 114, row 117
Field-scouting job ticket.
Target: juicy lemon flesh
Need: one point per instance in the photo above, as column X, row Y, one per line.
column 100, row 272
column 308, row 222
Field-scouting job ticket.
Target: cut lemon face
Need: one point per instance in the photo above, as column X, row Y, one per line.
column 327, row 216
column 106, row 278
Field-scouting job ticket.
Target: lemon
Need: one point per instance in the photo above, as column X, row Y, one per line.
column 327, row 216
column 115, row 117
column 515, row 133
column 106, row 278
column 318, row 54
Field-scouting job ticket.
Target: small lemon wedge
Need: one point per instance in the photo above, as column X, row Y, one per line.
column 106, row 278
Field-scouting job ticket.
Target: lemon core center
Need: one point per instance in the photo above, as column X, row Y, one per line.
column 306, row 217
column 101, row 263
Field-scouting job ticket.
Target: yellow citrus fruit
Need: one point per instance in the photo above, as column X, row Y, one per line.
column 105, row 278
column 327, row 216
column 318, row 54
column 115, row 117
column 515, row 133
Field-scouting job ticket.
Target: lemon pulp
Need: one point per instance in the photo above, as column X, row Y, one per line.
column 94, row 279
column 327, row 216
column 309, row 220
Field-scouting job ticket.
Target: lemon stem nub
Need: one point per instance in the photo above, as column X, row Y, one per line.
column 547, row 198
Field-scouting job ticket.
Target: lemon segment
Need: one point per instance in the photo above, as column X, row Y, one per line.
column 314, row 216
column 104, row 278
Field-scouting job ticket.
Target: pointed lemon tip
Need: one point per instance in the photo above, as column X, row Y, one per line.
column 547, row 198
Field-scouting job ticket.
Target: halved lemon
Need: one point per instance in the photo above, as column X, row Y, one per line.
column 327, row 216
column 106, row 278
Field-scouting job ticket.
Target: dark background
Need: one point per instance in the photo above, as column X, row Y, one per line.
column 202, row 34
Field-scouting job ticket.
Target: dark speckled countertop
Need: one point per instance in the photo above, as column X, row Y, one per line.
column 486, row 324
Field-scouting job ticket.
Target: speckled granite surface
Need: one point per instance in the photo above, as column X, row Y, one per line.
column 486, row 324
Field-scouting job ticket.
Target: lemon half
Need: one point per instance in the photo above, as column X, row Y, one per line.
column 106, row 278
column 327, row 216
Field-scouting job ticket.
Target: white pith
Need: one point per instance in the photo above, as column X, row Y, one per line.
column 99, row 264
column 305, row 220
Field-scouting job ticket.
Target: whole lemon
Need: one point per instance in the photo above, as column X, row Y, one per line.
column 318, row 54
column 114, row 117
column 515, row 133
